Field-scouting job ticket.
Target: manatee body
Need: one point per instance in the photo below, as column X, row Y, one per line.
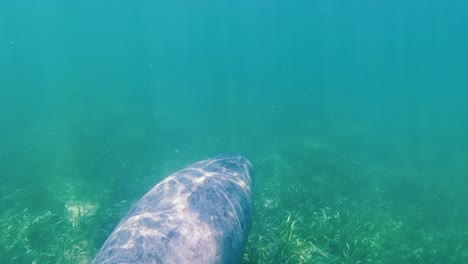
column 201, row 214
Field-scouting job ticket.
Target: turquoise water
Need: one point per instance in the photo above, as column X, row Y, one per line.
column 353, row 114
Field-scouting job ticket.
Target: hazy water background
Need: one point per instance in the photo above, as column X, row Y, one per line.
column 353, row 113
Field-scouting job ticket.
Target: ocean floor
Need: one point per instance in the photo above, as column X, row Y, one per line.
column 313, row 204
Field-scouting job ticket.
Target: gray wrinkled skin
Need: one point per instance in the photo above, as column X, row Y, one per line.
column 201, row 214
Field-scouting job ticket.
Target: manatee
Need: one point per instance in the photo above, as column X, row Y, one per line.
column 200, row 214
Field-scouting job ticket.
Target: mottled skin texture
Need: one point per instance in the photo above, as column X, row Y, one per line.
column 201, row 214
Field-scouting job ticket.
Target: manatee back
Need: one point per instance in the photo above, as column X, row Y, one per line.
column 201, row 214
